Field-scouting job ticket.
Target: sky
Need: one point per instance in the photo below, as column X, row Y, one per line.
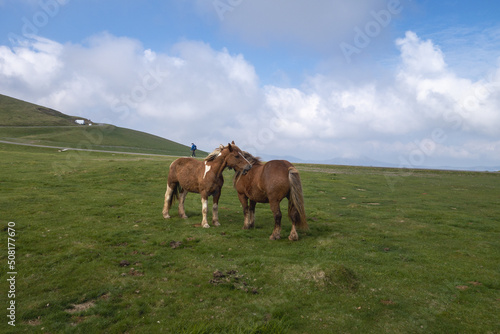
column 405, row 83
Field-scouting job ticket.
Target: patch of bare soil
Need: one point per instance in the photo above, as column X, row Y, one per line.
column 35, row 322
column 387, row 302
column 76, row 308
column 124, row 263
column 133, row 272
column 175, row 244
column 339, row 277
column 231, row 278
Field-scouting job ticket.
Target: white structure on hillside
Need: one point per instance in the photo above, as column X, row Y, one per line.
column 80, row 121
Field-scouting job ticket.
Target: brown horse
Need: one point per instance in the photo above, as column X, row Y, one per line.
column 203, row 177
column 270, row 183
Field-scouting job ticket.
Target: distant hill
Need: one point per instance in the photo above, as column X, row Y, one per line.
column 27, row 123
column 14, row 112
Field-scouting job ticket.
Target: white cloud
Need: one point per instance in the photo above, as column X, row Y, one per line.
column 440, row 92
column 425, row 103
column 191, row 93
column 195, row 93
column 31, row 65
column 470, row 50
column 421, row 57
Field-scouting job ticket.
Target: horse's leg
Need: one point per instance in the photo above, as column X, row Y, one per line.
column 215, row 209
column 168, row 201
column 293, row 234
column 275, row 208
column 204, row 211
column 251, row 214
column 182, row 198
column 244, row 203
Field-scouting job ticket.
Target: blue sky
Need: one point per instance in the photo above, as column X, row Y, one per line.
column 408, row 83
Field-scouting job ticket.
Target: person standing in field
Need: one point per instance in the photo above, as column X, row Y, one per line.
column 193, row 150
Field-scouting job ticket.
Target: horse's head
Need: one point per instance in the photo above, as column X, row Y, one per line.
column 235, row 159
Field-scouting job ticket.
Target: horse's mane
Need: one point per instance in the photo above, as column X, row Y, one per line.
column 254, row 161
column 215, row 153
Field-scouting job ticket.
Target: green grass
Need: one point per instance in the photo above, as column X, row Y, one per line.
column 26, row 123
column 14, row 112
column 98, row 137
column 420, row 255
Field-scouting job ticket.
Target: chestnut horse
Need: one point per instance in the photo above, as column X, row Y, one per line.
column 269, row 183
column 203, row 177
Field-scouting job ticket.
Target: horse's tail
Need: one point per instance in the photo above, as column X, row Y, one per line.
column 296, row 210
column 172, row 193
column 175, row 194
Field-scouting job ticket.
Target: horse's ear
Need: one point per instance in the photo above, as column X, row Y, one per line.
column 233, row 142
column 230, row 147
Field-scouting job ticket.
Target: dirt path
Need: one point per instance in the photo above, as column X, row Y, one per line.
column 83, row 149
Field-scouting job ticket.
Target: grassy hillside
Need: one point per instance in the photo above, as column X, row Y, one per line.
column 14, row 112
column 26, row 123
column 97, row 137
column 388, row 251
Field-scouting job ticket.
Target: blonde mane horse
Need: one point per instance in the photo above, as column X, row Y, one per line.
column 203, row 177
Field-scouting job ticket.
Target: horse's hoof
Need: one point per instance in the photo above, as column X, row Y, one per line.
column 249, row 226
column 205, row 226
column 184, row 216
column 293, row 237
column 216, row 224
column 274, row 237
column 166, row 216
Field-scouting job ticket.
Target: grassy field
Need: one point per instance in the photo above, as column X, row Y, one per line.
column 388, row 251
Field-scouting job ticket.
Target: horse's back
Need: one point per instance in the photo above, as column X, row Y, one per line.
column 275, row 177
column 182, row 168
column 277, row 169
